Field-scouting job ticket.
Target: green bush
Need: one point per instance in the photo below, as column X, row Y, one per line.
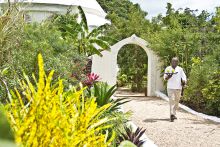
column 203, row 92
column 122, row 80
column 60, row 54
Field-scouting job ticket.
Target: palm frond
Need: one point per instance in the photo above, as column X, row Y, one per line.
column 94, row 50
column 101, row 44
column 83, row 19
column 97, row 31
column 108, row 39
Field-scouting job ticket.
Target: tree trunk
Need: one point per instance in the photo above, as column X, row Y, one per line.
column 88, row 69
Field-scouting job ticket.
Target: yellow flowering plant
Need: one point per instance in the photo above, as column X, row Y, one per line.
column 42, row 113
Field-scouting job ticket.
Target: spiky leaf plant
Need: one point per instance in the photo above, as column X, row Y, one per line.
column 45, row 114
column 132, row 136
column 103, row 93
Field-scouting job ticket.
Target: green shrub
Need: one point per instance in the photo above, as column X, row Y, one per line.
column 203, row 92
column 122, row 80
column 59, row 54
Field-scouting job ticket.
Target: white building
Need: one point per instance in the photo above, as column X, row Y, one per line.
column 39, row 10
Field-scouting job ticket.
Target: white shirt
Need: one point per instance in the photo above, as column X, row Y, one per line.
column 175, row 81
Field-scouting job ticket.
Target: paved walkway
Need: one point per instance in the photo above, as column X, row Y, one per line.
column 153, row 114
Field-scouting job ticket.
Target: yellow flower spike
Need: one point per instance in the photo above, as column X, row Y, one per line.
column 19, row 97
column 35, row 143
column 30, row 85
column 48, row 81
column 32, row 135
column 41, row 74
column 56, row 117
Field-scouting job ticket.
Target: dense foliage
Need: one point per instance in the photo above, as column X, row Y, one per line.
column 20, row 50
column 203, row 89
column 60, row 54
column 11, row 28
column 184, row 33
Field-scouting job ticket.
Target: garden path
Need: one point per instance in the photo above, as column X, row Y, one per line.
column 152, row 113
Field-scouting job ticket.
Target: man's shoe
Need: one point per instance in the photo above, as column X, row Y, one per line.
column 172, row 118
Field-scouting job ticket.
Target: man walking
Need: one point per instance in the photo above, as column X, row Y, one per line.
column 176, row 79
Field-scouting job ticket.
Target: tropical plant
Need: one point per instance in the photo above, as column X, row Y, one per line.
column 91, row 79
column 132, row 136
column 103, row 93
column 45, row 114
column 88, row 42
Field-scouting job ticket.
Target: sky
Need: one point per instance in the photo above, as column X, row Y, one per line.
column 155, row 7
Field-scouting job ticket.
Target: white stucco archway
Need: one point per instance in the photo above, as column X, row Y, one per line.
column 106, row 66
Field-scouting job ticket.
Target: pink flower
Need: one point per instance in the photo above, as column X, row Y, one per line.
column 92, row 78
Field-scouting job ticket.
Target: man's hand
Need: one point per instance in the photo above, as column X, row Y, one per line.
column 168, row 76
column 183, row 83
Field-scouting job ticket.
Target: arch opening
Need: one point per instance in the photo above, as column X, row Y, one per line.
column 106, row 66
column 132, row 64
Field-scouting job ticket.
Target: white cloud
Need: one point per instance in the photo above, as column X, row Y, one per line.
column 155, row 7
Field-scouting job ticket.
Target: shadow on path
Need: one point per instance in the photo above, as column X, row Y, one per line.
column 151, row 120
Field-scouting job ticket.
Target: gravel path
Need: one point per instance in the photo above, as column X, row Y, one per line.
column 153, row 114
